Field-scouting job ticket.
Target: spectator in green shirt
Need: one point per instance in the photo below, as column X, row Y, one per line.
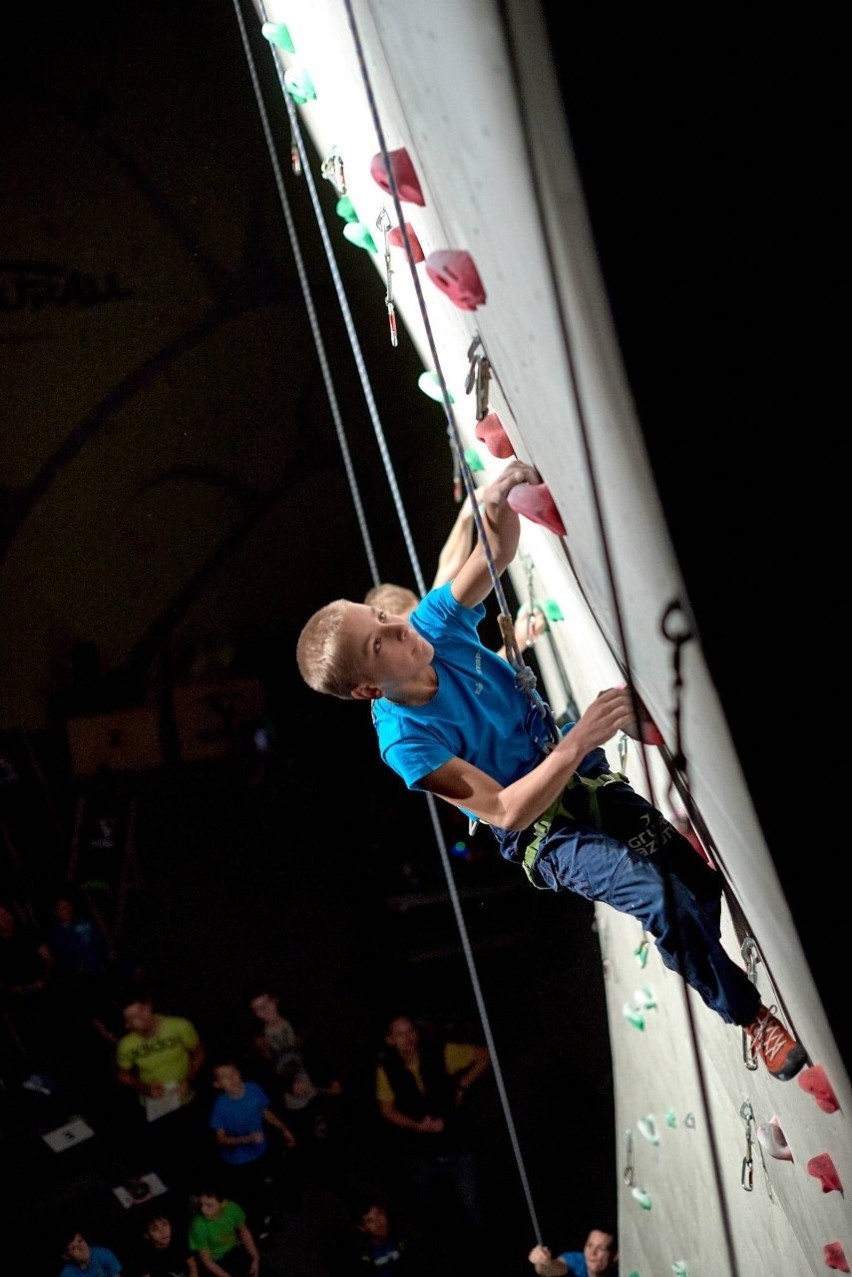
column 221, row 1237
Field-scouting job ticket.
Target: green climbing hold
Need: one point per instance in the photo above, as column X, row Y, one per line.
column 430, row 384
column 299, row 85
column 645, row 999
column 634, row 1015
column 359, row 235
column 346, row 209
column 277, row 33
column 474, row 461
column 552, row 610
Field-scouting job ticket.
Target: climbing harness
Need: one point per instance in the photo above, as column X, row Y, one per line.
column 591, row 785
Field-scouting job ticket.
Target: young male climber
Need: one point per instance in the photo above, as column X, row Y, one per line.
column 451, row 720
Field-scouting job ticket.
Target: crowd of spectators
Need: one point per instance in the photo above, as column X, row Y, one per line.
column 214, row 1154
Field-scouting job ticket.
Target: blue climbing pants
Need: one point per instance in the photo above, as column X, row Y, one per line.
column 610, row 844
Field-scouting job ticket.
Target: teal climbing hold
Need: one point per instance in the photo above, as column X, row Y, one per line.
column 634, row 1015
column 299, row 85
column 430, row 384
column 277, row 33
column 346, row 209
column 359, row 234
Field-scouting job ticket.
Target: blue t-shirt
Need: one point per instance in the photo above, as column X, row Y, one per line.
column 102, row 1263
column 477, row 713
column 576, row 1262
column 241, row 1116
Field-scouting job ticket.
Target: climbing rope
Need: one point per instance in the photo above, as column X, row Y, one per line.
column 524, row 677
column 568, row 347
column 298, row 143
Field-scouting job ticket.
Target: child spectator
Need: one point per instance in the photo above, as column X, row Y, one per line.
column 371, row 1243
column 220, row 1236
column 83, row 1260
column 315, row 1118
column 276, row 1044
column 598, row 1258
column 240, row 1113
column 166, row 1254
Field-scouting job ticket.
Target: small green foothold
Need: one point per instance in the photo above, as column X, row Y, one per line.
column 647, row 1127
column 671, row 1118
column 299, row 85
column 634, row 1015
column 346, row 209
column 430, row 384
column 473, row 460
column 640, row 953
column 552, row 610
column 277, row 33
column 359, row 234
column 642, row 1198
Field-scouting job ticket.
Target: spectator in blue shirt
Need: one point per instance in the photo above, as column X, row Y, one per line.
column 239, row 1117
column 598, row 1258
column 83, row 1260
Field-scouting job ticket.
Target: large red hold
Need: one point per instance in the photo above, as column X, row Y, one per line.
column 533, row 501
column 491, row 431
column 454, row 272
column 405, row 179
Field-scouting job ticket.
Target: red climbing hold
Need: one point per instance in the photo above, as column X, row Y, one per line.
column 491, row 432
column 644, row 729
column 814, row 1081
column 453, row 271
column 397, row 240
column 533, row 501
column 650, row 734
column 405, row 179
column 823, row 1169
column 832, row 1253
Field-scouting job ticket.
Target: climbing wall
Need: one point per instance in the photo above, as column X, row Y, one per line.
column 442, row 130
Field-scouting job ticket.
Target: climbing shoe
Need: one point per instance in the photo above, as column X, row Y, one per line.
column 781, row 1053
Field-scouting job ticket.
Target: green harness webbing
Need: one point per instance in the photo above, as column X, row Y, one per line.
column 591, row 784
